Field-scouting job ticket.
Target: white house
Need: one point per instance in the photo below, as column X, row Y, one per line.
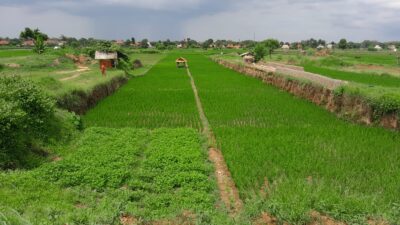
column 320, row 47
column 285, row 48
column 392, row 48
column 179, row 45
column 378, row 47
column 330, row 46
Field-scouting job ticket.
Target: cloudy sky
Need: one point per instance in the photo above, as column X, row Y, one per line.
column 287, row 20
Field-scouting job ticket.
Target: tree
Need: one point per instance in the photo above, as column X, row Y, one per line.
column 127, row 42
column 259, row 52
column 160, row 46
column 271, row 45
column 133, row 41
column 342, row 44
column 144, row 43
column 207, row 43
column 37, row 36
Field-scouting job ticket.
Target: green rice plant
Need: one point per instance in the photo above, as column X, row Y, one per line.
column 310, row 159
column 162, row 98
column 6, row 53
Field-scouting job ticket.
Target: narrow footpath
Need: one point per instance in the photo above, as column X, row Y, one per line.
column 228, row 192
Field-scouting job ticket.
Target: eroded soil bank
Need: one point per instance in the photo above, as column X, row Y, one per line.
column 79, row 101
column 344, row 105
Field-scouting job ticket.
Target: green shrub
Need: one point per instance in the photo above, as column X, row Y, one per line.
column 1, row 67
column 25, row 114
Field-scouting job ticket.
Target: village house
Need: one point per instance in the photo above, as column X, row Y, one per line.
column 285, row 48
column 378, row 47
column 329, row 46
column 4, row 42
column 53, row 42
column 392, row 48
column 28, row 43
column 320, row 47
column 119, row 42
column 108, row 59
column 234, row 46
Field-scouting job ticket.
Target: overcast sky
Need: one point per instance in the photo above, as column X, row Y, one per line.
column 286, row 20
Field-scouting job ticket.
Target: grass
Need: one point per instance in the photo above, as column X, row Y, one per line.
column 151, row 175
column 362, row 78
column 311, row 159
column 162, row 98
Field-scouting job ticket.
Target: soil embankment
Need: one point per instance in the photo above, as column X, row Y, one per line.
column 321, row 91
column 79, row 101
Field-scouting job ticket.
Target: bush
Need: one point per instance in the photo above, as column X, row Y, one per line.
column 137, row 64
column 259, row 52
column 1, row 67
column 25, row 114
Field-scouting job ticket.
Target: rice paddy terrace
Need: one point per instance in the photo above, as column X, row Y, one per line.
column 143, row 158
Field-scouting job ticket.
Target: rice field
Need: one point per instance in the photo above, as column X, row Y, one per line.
column 310, row 159
column 143, row 159
column 162, row 98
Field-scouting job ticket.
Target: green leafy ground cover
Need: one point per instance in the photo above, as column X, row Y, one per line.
column 162, row 98
column 311, row 159
column 151, row 175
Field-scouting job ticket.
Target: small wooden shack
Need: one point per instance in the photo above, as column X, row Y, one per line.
column 249, row 59
column 181, row 62
column 108, row 59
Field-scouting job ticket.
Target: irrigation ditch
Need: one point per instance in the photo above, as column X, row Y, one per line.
column 353, row 107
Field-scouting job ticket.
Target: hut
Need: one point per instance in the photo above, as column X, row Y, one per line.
column 181, row 62
column 108, row 59
column 249, row 59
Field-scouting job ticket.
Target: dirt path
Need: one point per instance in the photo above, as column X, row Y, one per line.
column 76, row 74
column 227, row 188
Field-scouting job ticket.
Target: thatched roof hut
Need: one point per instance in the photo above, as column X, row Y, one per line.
column 181, row 62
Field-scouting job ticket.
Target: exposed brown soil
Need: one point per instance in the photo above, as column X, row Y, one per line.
column 266, row 219
column 316, row 219
column 227, row 188
column 351, row 107
column 228, row 191
column 77, row 72
column 128, row 220
column 319, row 219
column 186, row 218
column 56, row 159
column 377, row 222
